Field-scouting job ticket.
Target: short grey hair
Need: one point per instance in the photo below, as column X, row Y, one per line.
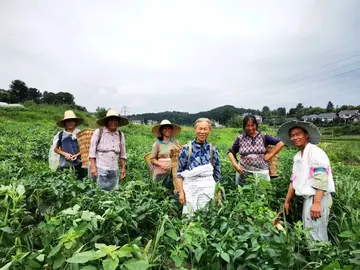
column 207, row 120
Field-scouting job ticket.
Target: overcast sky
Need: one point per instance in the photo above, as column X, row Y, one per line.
column 192, row 56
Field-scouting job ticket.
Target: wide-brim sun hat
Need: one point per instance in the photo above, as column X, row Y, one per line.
column 67, row 116
column 175, row 128
column 312, row 130
column 112, row 113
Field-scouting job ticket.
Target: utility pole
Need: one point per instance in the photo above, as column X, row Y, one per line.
column 124, row 111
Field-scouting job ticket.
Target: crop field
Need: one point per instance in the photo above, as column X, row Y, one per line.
column 49, row 220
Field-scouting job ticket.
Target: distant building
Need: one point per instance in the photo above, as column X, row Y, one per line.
column 345, row 114
column 217, row 124
column 151, row 122
column 136, row 122
column 310, row 117
column 258, row 118
column 327, row 117
column 4, row 104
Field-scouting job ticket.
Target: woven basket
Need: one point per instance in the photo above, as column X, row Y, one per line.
column 149, row 166
column 273, row 162
column 84, row 140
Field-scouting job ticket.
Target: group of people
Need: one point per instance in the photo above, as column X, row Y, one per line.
column 198, row 168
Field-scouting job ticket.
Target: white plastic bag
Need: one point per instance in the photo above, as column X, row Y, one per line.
column 54, row 158
column 199, row 187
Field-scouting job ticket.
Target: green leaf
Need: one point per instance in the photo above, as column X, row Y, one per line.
column 59, row 262
column 223, row 227
column 110, row 264
column 20, row 190
column 251, row 256
column 87, row 216
column 356, row 251
column 54, row 251
column 89, row 267
column 40, row 258
column 82, row 257
column 225, row 256
column 198, row 253
column 178, row 260
column 7, row 229
column 68, row 245
column 238, row 253
column 346, row 234
column 136, row 264
column 7, row 266
column 173, row 235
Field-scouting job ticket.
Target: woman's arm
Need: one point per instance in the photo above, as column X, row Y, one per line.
column 274, row 151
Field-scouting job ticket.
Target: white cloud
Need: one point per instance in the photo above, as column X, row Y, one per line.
column 188, row 55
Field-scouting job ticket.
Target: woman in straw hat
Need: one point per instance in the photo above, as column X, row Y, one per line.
column 311, row 176
column 66, row 144
column 160, row 154
column 107, row 150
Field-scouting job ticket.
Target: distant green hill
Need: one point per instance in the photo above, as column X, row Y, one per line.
column 221, row 114
column 32, row 112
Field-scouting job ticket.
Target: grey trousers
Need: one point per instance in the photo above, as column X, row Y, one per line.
column 319, row 226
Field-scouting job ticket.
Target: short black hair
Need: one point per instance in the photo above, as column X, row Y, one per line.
column 248, row 118
column 303, row 129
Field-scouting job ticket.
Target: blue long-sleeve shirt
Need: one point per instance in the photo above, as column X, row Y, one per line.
column 200, row 155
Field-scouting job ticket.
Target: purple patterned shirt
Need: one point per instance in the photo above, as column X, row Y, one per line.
column 109, row 149
column 252, row 150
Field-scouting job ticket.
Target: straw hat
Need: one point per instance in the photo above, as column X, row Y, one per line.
column 313, row 131
column 69, row 115
column 175, row 128
column 112, row 113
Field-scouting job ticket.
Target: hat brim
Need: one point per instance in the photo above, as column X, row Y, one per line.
column 313, row 131
column 122, row 121
column 175, row 130
column 61, row 123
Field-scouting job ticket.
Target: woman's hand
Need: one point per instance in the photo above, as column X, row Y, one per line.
column 93, row 171
column 182, row 199
column 267, row 157
column 68, row 156
column 239, row 169
column 164, row 166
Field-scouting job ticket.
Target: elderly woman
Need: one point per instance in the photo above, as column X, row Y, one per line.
column 107, row 150
column 311, row 177
column 160, row 154
column 66, row 144
column 251, row 145
column 198, row 169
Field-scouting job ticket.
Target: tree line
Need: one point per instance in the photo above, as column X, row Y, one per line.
column 19, row 92
column 231, row 116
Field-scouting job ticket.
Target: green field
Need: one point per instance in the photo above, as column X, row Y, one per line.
column 49, row 220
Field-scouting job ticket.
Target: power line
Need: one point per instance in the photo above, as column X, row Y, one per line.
column 304, row 77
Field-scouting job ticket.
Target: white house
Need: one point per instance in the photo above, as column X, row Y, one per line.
column 327, row 117
column 258, row 118
column 151, row 122
column 310, row 117
column 345, row 114
column 217, row 124
column 136, row 122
